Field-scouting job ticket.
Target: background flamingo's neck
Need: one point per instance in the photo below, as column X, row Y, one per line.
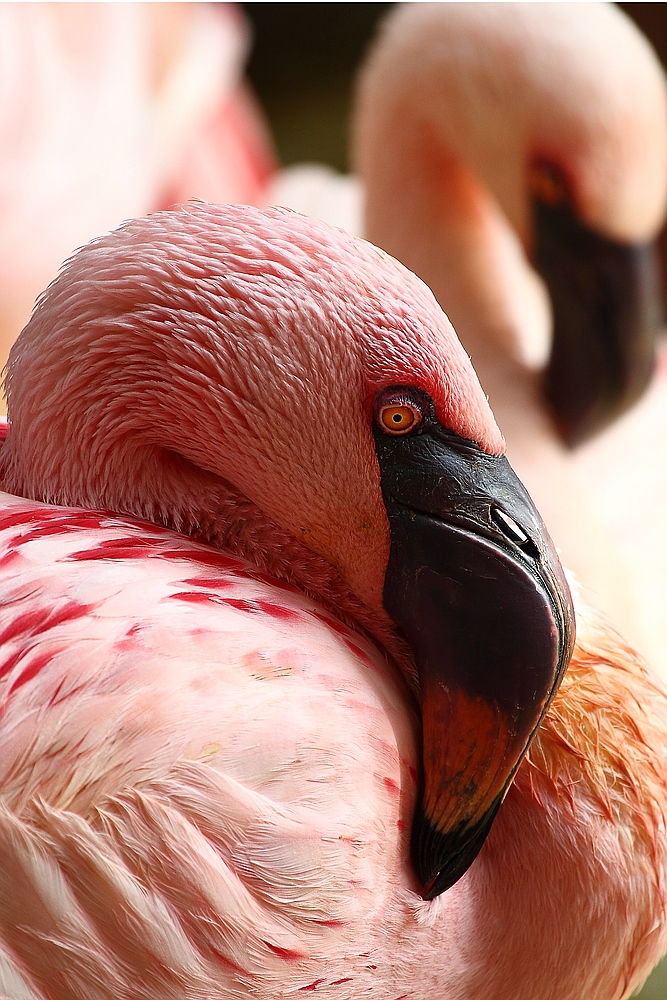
column 431, row 212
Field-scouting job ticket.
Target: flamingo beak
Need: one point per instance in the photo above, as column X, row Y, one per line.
column 474, row 583
column 607, row 316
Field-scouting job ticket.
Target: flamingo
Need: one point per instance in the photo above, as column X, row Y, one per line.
column 464, row 114
column 243, row 448
column 109, row 111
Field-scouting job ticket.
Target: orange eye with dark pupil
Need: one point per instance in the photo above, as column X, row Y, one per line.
column 547, row 183
column 398, row 419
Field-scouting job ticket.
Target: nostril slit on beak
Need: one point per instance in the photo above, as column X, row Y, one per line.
column 511, row 530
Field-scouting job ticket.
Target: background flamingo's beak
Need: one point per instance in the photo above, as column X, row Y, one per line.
column 607, row 311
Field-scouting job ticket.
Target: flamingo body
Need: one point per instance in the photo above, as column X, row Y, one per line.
column 208, row 783
column 154, row 742
column 208, row 776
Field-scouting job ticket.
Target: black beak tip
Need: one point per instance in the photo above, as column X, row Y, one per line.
column 475, row 586
column 441, row 859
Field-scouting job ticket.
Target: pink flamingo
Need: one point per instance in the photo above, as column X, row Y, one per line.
column 109, row 111
column 493, row 105
column 231, row 431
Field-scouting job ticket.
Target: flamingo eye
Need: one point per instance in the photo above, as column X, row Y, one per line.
column 547, row 183
column 398, row 415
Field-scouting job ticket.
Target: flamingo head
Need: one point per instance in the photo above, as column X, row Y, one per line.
column 545, row 120
column 280, row 389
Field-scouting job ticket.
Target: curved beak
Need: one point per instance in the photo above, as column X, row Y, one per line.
column 474, row 583
column 607, row 311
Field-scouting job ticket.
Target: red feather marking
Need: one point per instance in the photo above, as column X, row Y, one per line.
column 56, row 526
column 214, row 582
column 8, row 558
column 391, row 786
column 262, row 608
column 30, row 515
column 48, row 520
column 331, row 623
column 158, row 544
column 33, row 622
column 278, row 611
column 33, row 668
column 238, row 604
column 195, row 597
column 224, row 960
column 127, row 547
column 206, row 557
column 286, row 953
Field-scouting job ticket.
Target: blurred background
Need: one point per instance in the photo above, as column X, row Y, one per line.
column 302, row 66
column 303, row 61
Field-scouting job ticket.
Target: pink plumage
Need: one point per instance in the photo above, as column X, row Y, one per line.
column 210, row 763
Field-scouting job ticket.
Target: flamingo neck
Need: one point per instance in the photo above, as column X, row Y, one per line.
column 233, row 523
column 161, row 485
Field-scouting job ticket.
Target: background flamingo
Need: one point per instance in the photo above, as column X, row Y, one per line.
column 457, row 209
column 208, row 777
column 455, row 215
column 108, row 111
